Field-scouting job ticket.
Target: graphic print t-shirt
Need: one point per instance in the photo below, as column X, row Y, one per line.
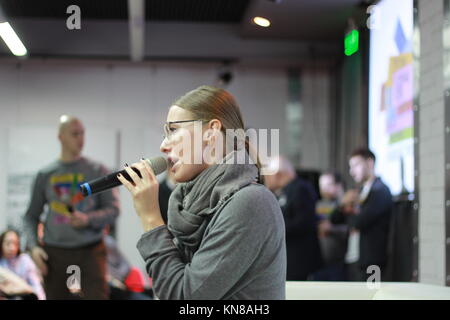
column 56, row 191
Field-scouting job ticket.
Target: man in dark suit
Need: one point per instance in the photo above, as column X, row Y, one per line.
column 367, row 212
column 297, row 200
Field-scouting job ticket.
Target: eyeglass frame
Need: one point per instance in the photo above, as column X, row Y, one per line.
column 167, row 133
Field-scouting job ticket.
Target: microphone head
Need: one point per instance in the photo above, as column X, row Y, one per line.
column 158, row 164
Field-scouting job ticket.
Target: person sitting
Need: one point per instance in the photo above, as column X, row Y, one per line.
column 13, row 287
column 20, row 264
column 125, row 281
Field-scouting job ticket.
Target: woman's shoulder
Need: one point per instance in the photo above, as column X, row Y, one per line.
column 256, row 199
column 255, row 191
column 25, row 258
column 20, row 262
column 253, row 211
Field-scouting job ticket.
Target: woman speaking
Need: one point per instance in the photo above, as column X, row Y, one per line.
column 225, row 233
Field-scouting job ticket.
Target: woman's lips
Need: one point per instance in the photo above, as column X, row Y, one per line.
column 174, row 163
column 175, row 166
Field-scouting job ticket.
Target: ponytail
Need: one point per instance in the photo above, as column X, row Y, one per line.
column 253, row 154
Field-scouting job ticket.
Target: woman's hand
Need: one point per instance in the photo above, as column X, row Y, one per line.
column 12, row 284
column 145, row 194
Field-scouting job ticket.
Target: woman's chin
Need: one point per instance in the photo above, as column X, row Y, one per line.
column 9, row 256
column 180, row 175
column 184, row 173
column 178, row 179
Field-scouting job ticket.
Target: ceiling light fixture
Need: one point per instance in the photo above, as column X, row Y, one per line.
column 262, row 22
column 12, row 40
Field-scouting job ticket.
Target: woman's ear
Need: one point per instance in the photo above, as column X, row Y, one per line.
column 213, row 129
column 215, row 124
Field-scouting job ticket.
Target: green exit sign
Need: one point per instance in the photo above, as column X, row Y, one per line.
column 351, row 42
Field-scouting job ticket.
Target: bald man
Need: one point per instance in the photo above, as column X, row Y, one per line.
column 73, row 240
column 297, row 200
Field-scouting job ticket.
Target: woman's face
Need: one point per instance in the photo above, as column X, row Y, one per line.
column 10, row 246
column 180, row 146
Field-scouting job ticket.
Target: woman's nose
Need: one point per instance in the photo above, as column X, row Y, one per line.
column 164, row 146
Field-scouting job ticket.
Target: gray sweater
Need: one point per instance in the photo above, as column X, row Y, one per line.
column 56, row 186
column 242, row 254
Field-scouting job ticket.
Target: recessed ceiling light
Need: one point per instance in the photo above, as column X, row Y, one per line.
column 262, row 22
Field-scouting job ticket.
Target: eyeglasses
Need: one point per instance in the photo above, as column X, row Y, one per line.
column 168, row 131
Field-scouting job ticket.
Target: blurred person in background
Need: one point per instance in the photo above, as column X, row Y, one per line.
column 333, row 237
column 165, row 190
column 367, row 212
column 20, row 264
column 126, row 282
column 297, row 200
column 73, row 226
column 331, row 192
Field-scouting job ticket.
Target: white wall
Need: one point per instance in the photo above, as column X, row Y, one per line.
column 130, row 99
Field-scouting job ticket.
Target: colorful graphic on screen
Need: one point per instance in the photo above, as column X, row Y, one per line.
column 391, row 93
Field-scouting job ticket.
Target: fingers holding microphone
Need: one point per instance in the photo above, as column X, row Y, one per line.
column 144, row 192
column 146, row 176
column 135, row 179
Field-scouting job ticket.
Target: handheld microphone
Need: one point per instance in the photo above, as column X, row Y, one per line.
column 158, row 165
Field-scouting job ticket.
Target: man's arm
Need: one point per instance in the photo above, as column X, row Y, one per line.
column 34, row 211
column 377, row 206
column 108, row 209
column 108, row 206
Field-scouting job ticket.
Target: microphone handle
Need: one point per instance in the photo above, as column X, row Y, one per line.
column 106, row 182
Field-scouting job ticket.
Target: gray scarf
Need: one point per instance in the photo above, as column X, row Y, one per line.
column 192, row 204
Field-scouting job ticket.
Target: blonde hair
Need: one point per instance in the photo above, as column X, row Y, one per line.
column 208, row 103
